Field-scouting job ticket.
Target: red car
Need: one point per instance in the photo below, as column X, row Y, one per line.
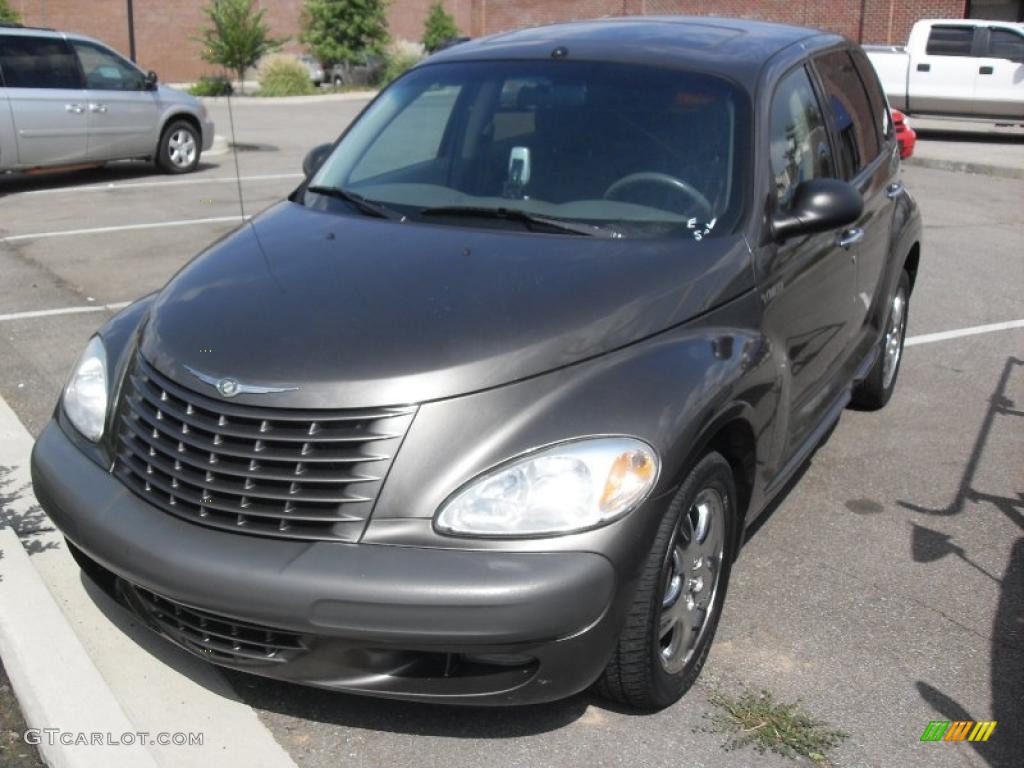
column 905, row 135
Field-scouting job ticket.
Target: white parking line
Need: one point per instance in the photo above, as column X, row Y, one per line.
column 929, row 338
column 170, row 183
column 119, row 228
column 64, row 311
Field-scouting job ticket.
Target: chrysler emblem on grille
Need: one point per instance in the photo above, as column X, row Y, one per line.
column 229, row 387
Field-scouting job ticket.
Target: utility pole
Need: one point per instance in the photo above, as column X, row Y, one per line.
column 131, row 31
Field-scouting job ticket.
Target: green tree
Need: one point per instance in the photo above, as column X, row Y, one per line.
column 440, row 27
column 7, row 13
column 342, row 31
column 237, row 37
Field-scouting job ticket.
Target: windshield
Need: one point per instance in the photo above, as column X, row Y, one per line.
column 641, row 151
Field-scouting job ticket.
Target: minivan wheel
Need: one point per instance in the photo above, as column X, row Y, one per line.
column 180, row 147
column 678, row 599
column 876, row 389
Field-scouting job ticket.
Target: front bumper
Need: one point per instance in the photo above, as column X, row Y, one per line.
column 465, row 626
column 207, row 129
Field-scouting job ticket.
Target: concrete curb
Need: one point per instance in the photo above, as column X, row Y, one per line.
column 277, row 101
column 959, row 166
column 55, row 681
column 220, row 146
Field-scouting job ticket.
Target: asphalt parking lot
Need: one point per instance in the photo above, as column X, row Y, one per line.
column 884, row 591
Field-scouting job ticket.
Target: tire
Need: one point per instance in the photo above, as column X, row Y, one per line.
column 876, row 389
column 649, row 670
column 180, row 147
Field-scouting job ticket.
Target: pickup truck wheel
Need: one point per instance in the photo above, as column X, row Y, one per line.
column 876, row 389
column 678, row 599
column 180, row 147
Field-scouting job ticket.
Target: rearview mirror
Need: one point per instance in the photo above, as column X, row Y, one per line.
column 315, row 158
column 818, row 206
column 151, row 80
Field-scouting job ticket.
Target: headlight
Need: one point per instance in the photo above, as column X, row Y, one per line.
column 567, row 487
column 85, row 396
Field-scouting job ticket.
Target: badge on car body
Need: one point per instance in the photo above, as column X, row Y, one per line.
column 228, row 387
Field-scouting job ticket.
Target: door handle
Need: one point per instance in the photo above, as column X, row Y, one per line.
column 894, row 190
column 924, row 67
column 851, row 237
column 97, row 107
column 75, row 108
column 985, row 70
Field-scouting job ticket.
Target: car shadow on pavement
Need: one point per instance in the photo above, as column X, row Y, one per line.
column 1005, row 747
column 111, row 173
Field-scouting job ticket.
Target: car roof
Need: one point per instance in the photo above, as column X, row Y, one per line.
column 736, row 48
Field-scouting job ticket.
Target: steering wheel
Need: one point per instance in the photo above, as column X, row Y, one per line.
column 648, row 177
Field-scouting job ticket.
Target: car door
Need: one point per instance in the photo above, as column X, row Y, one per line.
column 123, row 113
column 999, row 83
column 806, row 282
column 942, row 80
column 45, row 96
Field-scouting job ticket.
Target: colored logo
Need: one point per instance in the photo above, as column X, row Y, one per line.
column 958, row 730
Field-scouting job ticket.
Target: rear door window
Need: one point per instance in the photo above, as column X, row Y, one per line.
column 851, row 110
column 950, row 41
column 38, row 62
column 879, row 105
column 799, row 140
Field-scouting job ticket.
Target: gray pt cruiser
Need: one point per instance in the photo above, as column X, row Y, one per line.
column 481, row 412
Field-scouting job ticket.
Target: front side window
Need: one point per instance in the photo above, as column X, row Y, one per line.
column 950, row 41
column 799, row 140
column 858, row 140
column 646, row 151
column 38, row 62
column 106, row 71
column 1004, row 44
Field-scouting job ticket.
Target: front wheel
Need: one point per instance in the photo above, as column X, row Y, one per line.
column 679, row 596
column 876, row 389
column 180, row 147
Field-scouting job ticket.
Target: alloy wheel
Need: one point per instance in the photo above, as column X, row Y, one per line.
column 181, row 148
column 893, row 341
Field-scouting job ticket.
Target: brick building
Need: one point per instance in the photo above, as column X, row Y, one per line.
column 165, row 29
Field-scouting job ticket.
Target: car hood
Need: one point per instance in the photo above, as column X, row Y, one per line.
column 360, row 312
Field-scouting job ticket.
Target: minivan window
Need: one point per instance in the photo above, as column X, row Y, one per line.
column 1004, row 44
column 38, row 62
column 799, row 141
column 858, row 141
column 577, row 141
column 104, row 70
column 950, row 41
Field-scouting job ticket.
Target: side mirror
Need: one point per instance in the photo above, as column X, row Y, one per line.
column 315, row 158
column 151, row 80
column 818, row 206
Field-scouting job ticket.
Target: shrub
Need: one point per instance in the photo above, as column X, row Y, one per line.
column 8, row 14
column 440, row 27
column 344, row 31
column 401, row 56
column 212, row 85
column 284, row 75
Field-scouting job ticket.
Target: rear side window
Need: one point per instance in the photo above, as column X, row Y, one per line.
column 38, row 62
column 879, row 106
column 1004, row 44
column 855, row 123
column 799, row 140
column 950, row 41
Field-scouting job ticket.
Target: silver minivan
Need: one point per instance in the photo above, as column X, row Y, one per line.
column 69, row 100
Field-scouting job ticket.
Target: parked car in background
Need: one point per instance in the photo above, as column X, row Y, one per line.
column 905, row 135
column 956, row 68
column 495, row 393
column 68, row 100
column 366, row 71
column 316, row 69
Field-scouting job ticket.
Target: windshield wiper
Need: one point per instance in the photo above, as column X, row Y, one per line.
column 369, row 207
column 517, row 214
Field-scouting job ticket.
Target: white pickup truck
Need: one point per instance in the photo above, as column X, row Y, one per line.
column 956, row 67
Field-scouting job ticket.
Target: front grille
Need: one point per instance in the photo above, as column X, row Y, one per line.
column 216, row 638
column 289, row 473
